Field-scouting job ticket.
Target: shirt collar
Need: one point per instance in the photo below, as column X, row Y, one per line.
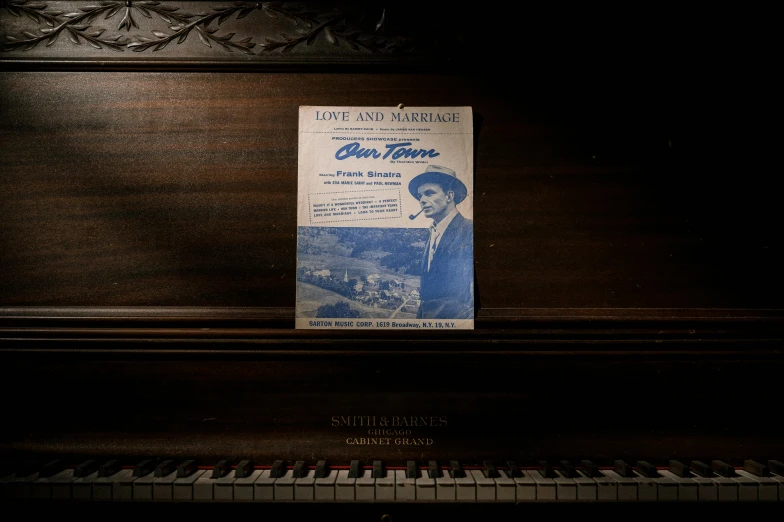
column 441, row 226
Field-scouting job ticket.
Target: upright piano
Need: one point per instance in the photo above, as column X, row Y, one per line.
column 628, row 339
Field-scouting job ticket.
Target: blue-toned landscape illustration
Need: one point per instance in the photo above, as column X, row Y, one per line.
column 359, row 272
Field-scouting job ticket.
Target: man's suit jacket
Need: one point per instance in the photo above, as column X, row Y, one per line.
column 447, row 290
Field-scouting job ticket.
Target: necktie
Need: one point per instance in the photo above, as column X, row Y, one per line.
column 433, row 239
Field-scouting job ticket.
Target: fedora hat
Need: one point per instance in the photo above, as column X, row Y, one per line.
column 441, row 175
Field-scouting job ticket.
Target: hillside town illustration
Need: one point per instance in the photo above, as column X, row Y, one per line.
column 341, row 276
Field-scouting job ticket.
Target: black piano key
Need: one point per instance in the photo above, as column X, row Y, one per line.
column 411, row 469
column 354, row 470
column 756, row 468
column 590, row 469
column 164, row 468
column 776, row 466
column 88, row 467
column 623, row 469
column 222, row 468
column 108, row 469
column 513, row 469
column 278, row 469
column 679, row 469
column 299, row 470
column 378, row 470
column 701, row 469
column 567, row 469
column 186, row 469
column 546, row 469
column 144, row 468
column 722, row 468
column 321, row 469
column 489, row 470
column 52, row 468
column 432, row 470
column 244, row 469
column 646, row 469
column 456, row 470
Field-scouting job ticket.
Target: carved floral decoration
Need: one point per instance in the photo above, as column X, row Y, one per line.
column 113, row 25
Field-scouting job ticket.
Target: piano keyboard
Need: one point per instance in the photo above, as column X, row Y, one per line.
column 242, row 481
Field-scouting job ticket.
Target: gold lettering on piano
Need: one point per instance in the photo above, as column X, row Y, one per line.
column 414, row 422
column 389, row 430
column 394, row 421
column 354, row 420
column 362, row 441
column 413, row 442
column 386, row 441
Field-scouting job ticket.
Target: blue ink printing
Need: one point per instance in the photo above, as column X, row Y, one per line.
column 396, row 151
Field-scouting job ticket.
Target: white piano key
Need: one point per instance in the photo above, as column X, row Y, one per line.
column 748, row 489
column 162, row 487
column 344, row 487
column 263, row 488
column 41, row 488
column 182, row 489
column 525, row 487
column 485, row 486
column 505, row 488
column 365, row 487
column 324, row 489
column 566, row 488
column 21, row 487
column 142, row 488
column 728, row 489
column 5, row 486
column 707, row 489
column 425, row 486
column 62, row 485
column 122, row 486
column 405, row 488
column 465, row 489
column 83, row 487
column 606, row 487
column 223, row 488
column 688, row 489
column 647, row 488
column 586, row 487
column 385, row 487
column 780, row 480
column 445, row 487
column 546, row 490
column 204, row 488
column 666, row 489
column 626, row 486
column 103, row 487
column 768, row 489
column 284, row 486
column 304, row 487
column 243, row 487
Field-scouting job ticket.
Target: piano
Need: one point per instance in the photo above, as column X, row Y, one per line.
column 242, row 481
column 628, row 340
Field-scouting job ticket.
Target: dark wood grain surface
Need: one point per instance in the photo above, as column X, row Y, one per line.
column 268, row 406
column 179, row 189
column 627, row 247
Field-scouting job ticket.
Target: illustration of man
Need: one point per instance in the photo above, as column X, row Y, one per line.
column 447, row 281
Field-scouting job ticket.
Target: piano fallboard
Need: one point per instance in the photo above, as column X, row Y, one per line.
column 577, row 391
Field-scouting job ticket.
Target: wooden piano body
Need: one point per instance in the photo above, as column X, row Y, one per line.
column 627, row 262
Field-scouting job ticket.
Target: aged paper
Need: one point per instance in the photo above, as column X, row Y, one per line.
column 385, row 218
